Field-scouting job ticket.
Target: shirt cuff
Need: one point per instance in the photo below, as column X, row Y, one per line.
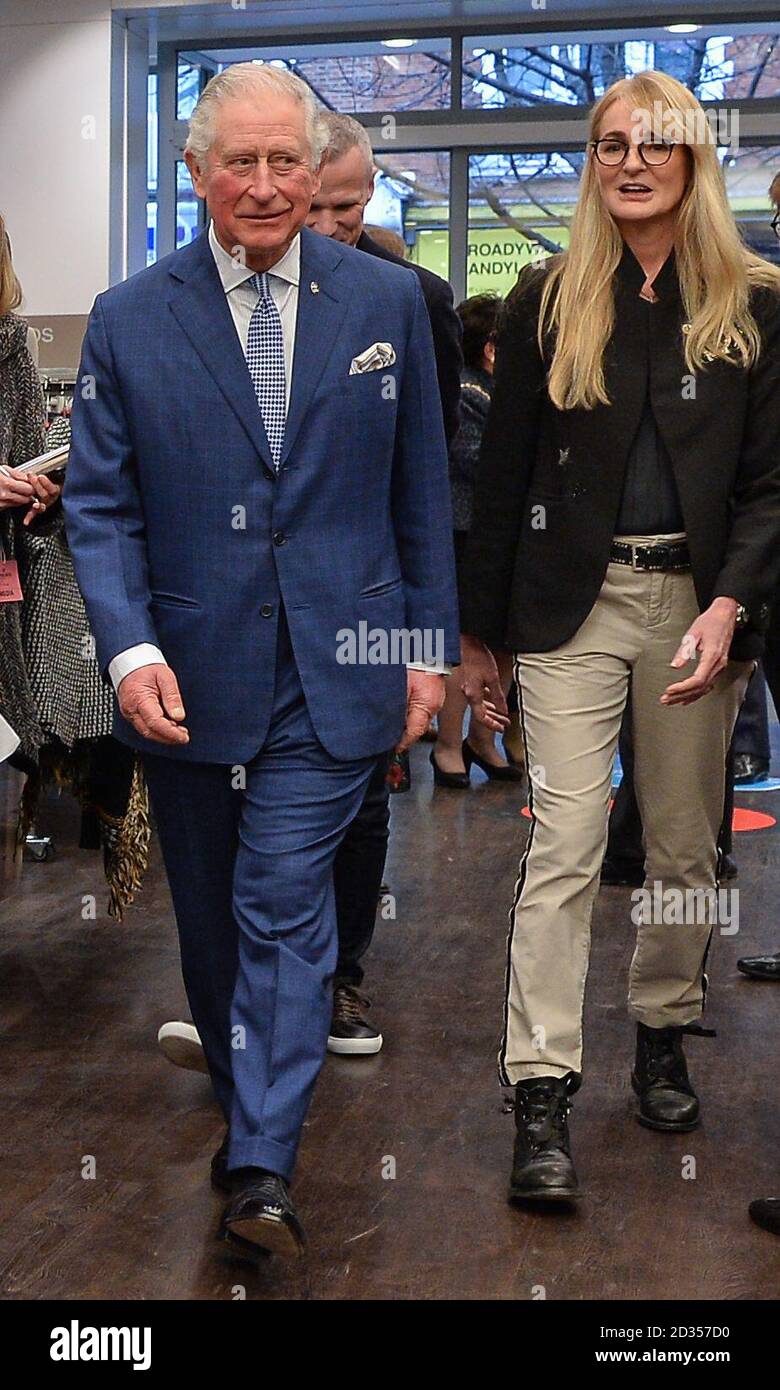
column 441, row 668
column 144, row 654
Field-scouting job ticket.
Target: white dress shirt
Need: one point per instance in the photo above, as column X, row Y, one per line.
column 283, row 281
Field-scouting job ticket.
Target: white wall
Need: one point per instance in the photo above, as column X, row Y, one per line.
column 55, row 148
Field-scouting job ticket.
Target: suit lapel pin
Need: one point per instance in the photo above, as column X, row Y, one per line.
column 314, row 287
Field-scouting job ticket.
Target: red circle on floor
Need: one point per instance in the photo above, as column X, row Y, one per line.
column 743, row 819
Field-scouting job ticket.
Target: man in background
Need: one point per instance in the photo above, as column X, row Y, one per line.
column 346, row 186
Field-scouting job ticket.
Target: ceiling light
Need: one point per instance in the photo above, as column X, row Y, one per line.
column 399, row 43
column 682, row 28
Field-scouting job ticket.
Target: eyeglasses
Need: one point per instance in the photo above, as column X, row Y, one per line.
column 775, row 224
column 613, row 152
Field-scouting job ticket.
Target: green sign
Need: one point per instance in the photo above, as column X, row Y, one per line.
column 496, row 255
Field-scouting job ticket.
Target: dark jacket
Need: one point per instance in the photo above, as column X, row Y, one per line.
column 476, row 386
column 445, row 325
column 532, row 576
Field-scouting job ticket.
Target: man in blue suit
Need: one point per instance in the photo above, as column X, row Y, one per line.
column 257, row 506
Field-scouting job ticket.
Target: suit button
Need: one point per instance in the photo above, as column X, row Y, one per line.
column 267, row 610
column 279, row 538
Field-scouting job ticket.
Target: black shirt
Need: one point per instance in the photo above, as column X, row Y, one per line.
column 650, row 505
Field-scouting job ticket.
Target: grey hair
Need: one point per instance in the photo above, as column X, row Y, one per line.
column 345, row 134
column 253, row 79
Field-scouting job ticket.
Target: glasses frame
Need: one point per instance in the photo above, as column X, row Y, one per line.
column 671, row 145
column 775, row 224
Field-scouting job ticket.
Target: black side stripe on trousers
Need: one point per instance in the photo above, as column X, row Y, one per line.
column 502, row 1075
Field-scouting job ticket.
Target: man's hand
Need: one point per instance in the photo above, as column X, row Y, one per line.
column 709, row 636
column 480, row 683
column 149, row 700
column 425, row 693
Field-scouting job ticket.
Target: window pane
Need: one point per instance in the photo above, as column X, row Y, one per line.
column 374, row 76
column 151, row 232
column 412, row 198
column 151, row 168
column 499, row 70
column 749, row 172
column 520, row 204
column 187, row 206
column 190, row 81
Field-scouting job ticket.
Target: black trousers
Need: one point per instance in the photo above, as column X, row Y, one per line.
column 751, row 734
column 771, row 657
column 357, row 876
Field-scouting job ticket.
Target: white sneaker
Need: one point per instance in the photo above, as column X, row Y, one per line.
column 181, row 1044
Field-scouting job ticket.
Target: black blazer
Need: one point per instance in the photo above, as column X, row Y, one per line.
column 446, row 327
column 530, row 587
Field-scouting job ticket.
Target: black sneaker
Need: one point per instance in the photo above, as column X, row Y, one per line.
column 350, row 1034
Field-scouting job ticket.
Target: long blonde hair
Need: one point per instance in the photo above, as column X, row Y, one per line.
column 10, row 289
column 716, row 270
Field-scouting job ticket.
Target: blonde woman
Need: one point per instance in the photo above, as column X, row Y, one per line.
column 626, row 527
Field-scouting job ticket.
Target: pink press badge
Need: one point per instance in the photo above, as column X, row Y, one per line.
column 10, row 588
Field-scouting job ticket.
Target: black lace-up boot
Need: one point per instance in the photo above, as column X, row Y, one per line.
column 660, row 1078
column 542, row 1168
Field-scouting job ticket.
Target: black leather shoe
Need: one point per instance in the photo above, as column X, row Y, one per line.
column 260, row 1216
column 748, row 768
column 542, row 1170
column 623, row 873
column 456, row 781
column 507, row 772
column 760, row 967
column 765, row 1211
column 660, row 1078
column 350, row 1034
column 220, row 1177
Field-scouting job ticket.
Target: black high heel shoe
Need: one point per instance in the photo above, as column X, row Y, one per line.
column 456, row 781
column 509, row 773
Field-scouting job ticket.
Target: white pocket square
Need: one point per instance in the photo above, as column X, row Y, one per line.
column 374, row 357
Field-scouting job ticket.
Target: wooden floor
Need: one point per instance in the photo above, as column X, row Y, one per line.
column 81, row 1002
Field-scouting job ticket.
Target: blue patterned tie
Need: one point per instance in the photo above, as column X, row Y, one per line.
column 265, row 359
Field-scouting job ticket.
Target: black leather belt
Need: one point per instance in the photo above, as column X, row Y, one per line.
column 673, row 555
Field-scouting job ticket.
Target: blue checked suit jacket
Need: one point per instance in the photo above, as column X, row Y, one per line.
column 183, row 534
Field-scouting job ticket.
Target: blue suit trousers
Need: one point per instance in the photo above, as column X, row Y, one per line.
column 249, row 855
